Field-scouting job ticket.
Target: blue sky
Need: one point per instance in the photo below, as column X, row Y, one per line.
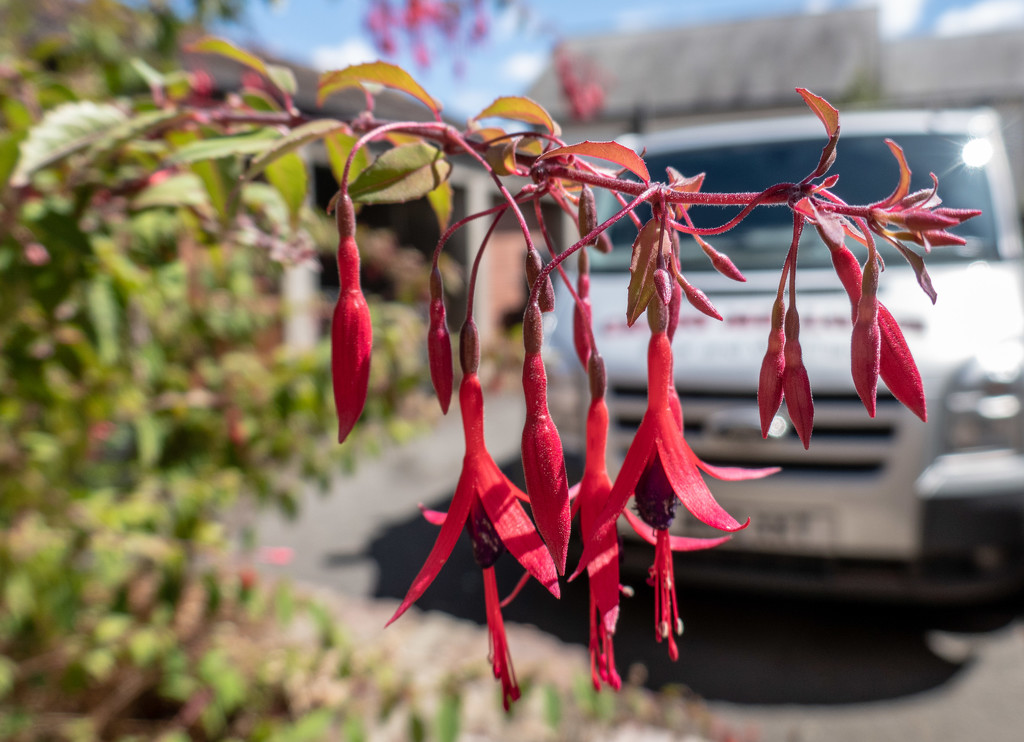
column 329, row 34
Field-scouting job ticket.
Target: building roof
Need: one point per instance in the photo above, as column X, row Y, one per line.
column 727, row 66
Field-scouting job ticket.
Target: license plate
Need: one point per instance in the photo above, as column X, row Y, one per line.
column 796, row 529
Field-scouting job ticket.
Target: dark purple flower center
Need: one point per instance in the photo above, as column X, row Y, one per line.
column 656, row 501
column 487, row 544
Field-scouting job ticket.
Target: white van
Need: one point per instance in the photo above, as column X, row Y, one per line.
column 885, row 506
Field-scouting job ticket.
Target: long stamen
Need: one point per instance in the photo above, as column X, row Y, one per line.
column 500, row 658
column 662, row 578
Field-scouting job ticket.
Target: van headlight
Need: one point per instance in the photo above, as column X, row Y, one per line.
column 984, row 405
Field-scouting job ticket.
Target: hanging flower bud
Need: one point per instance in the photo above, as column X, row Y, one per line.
column 673, row 310
column 795, row 383
column 439, row 344
column 866, row 341
column 587, row 219
column 663, row 285
column 769, row 386
column 351, row 331
column 581, row 313
column 543, row 462
column 546, row 293
column 469, row 347
column 604, row 243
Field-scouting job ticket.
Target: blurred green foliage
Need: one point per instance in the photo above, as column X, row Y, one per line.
column 146, row 396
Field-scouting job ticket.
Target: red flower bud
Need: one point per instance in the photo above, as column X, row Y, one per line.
column 663, row 285
column 866, row 341
column 351, row 331
column 543, row 462
column 897, row 367
column 769, row 386
column 439, row 344
column 581, row 315
column 795, row 384
column 587, row 219
column 546, row 292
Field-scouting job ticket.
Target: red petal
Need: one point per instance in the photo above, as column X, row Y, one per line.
column 514, row 526
column 433, row 517
column 442, row 549
column 736, row 473
column 680, row 467
column 676, row 543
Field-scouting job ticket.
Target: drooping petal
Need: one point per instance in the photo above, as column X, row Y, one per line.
column 680, row 465
column 736, row 473
column 676, row 543
column 514, row 527
column 462, row 501
column 433, row 517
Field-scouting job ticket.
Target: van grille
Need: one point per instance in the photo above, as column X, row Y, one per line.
column 723, row 428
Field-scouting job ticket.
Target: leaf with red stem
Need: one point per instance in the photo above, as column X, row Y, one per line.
column 608, row 151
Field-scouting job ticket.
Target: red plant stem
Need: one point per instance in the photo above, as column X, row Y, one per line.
column 588, row 238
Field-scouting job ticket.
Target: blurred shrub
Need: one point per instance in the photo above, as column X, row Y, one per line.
column 145, row 393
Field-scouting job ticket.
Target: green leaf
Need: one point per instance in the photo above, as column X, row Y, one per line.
column 105, row 316
column 650, row 242
column 224, row 48
column 154, row 79
column 8, row 673
column 339, row 144
column 66, row 129
column 133, row 128
column 296, row 138
column 440, row 200
column 288, row 175
column 448, row 718
column 183, row 189
column 401, row 174
column 381, row 73
column 8, row 156
column 609, row 151
column 312, row 727
column 519, row 108
column 149, row 440
column 283, row 78
column 238, row 144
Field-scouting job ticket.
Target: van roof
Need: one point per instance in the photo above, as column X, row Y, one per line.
column 974, row 122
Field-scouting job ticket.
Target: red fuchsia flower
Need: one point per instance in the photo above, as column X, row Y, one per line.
column 603, row 569
column 660, row 471
column 485, row 502
column 351, row 331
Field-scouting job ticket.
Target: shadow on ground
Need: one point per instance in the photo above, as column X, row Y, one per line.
column 736, row 647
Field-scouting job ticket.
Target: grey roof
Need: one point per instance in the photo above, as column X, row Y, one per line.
column 737, row 65
column 960, row 70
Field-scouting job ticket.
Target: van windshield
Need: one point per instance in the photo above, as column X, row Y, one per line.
column 867, row 171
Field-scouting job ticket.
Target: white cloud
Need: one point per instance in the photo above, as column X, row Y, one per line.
column 350, row 51
column 523, row 67
column 898, row 17
column 988, row 15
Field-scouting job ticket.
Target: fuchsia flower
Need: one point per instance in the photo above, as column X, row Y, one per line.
column 660, row 470
column 486, row 502
column 603, row 569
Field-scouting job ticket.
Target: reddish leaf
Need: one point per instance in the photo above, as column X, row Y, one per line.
column 380, row 73
column 903, row 186
column 824, row 110
column 609, row 151
column 650, row 242
column 519, row 108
